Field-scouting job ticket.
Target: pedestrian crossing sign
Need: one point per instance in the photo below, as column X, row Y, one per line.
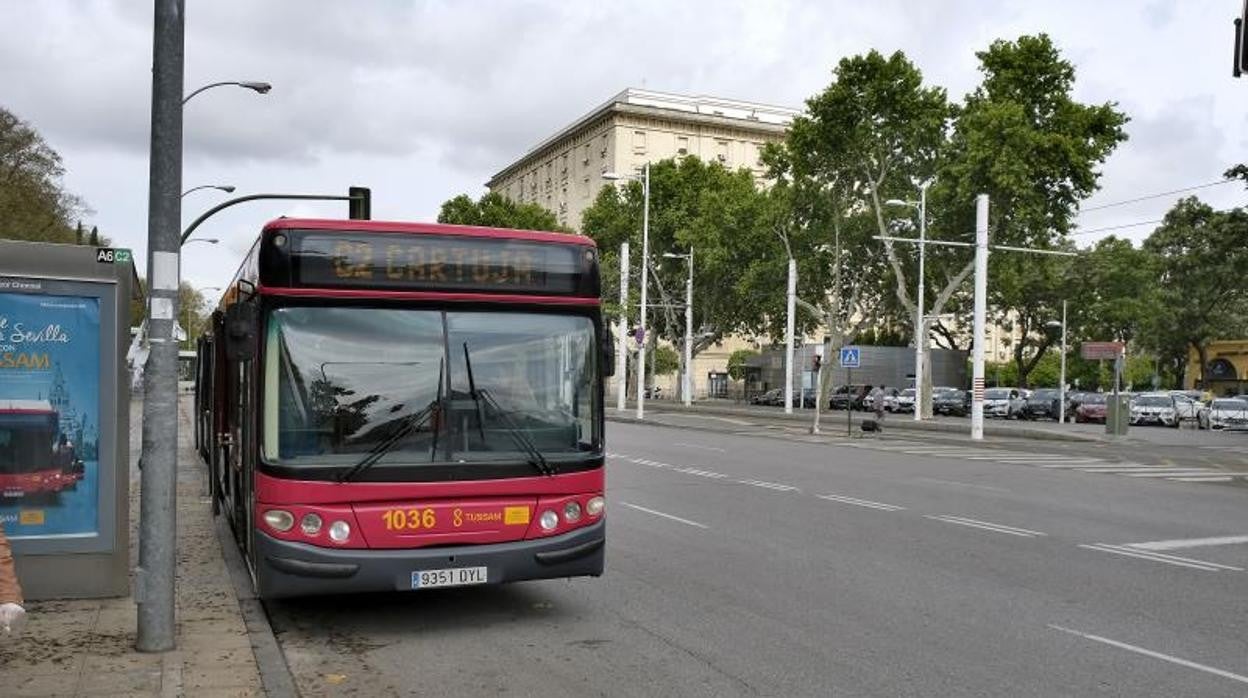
column 849, row 357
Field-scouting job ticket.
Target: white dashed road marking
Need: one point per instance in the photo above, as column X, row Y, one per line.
column 987, row 526
column 1158, row 557
column 666, row 516
column 1181, row 543
column 860, row 502
column 1156, row 655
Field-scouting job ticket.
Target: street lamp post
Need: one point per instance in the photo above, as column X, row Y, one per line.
column 920, row 328
column 258, row 87
column 621, row 353
column 686, row 388
column 227, row 188
column 210, row 241
column 1061, row 381
column 645, row 281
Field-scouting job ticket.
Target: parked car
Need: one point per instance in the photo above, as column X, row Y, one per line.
column 1226, row 413
column 1189, row 410
column 1091, row 408
column 768, row 397
column 809, row 398
column 1155, row 408
column 1009, row 403
column 905, row 401
column 849, row 397
column 951, row 401
column 1045, row 402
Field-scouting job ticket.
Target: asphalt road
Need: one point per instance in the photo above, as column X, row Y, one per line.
column 765, row 565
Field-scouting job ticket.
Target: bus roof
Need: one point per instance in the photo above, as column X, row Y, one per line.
column 433, row 228
column 26, row 407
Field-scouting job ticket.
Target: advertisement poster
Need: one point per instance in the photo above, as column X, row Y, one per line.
column 49, row 415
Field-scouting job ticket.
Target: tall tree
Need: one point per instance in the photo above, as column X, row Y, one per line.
column 33, row 203
column 1021, row 138
column 1202, row 293
column 494, row 210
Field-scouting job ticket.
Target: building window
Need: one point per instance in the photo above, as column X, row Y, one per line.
column 585, row 159
column 682, row 145
column 721, row 151
column 639, row 142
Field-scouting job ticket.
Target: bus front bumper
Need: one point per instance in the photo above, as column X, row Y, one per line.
column 297, row 569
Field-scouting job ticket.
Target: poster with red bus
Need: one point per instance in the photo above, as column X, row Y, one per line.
column 49, row 414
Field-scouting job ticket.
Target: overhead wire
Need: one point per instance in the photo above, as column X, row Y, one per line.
column 1158, row 195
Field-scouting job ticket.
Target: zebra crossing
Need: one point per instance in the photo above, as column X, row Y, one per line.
column 1056, row 461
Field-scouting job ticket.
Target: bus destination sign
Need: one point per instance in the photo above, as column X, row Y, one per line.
column 416, row 262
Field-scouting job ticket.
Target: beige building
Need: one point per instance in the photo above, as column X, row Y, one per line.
column 564, row 172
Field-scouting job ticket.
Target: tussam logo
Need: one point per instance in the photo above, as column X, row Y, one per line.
column 109, row 255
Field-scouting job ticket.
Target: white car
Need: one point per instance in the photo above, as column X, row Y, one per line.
column 1010, row 403
column 1226, row 413
column 1188, row 409
column 905, row 401
column 1155, row 408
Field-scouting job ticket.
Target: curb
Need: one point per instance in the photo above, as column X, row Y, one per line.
column 897, row 425
column 275, row 674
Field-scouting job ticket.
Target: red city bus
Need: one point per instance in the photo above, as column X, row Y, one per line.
column 399, row 406
column 30, row 463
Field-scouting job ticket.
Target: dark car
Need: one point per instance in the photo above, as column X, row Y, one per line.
column 849, row 397
column 1091, row 408
column 951, row 401
column 1044, row 403
column 775, row 396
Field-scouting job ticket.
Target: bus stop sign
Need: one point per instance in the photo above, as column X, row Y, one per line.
column 849, row 357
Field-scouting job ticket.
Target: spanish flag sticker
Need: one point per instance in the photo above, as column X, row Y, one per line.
column 515, row 515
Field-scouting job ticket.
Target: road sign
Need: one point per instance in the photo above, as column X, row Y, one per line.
column 1093, row 351
column 849, row 357
column 111, row 255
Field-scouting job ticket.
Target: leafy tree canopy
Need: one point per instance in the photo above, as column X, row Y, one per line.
column 494, row 210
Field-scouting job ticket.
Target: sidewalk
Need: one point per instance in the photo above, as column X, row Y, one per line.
column 86, row 648
column 833, row 419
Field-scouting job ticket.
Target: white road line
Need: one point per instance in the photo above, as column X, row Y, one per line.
column 700, row 473
column 666, row 516
column 955, row 483
column 987, row 526
column 1180, row 543
column 1202, row 479
column 860, row 502
column 1176, row 472
column 1125, row 469
column 770, row 485
column 1074, row 463
column 1155, row 557
column 1176, row 558
column 704, row 448
column 1156, row 655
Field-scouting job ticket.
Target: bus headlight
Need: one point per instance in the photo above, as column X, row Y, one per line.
column 595, row 506
column 549, row 520
column 572, row 512
column 279, row 520
column 339, row 531
column 310, row 524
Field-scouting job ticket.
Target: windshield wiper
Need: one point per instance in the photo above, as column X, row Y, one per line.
column 536, row 459
column 409, row 425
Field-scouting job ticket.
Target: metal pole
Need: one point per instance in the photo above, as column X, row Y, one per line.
column 645, row 278
column 920, row 336
column 981, row 310
column 1061, row 390
column 788, row 338
column 154, row 578
column 621, row 345
column 687, row 389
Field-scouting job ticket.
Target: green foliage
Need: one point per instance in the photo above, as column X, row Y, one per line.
column 737, row 361
column 1113, row 291
column 666, row 360
column 1200, row 291
column 880, row 337
column 497, row 211
column 694, row 205
column 33, row 204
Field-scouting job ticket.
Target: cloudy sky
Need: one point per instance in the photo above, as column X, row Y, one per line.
column 425, row 100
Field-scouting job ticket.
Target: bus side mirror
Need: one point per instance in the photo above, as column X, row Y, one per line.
column 608, row 355
column 242, row 322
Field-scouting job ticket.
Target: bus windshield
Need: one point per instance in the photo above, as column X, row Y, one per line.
column 26, row 443
column 427, row 386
